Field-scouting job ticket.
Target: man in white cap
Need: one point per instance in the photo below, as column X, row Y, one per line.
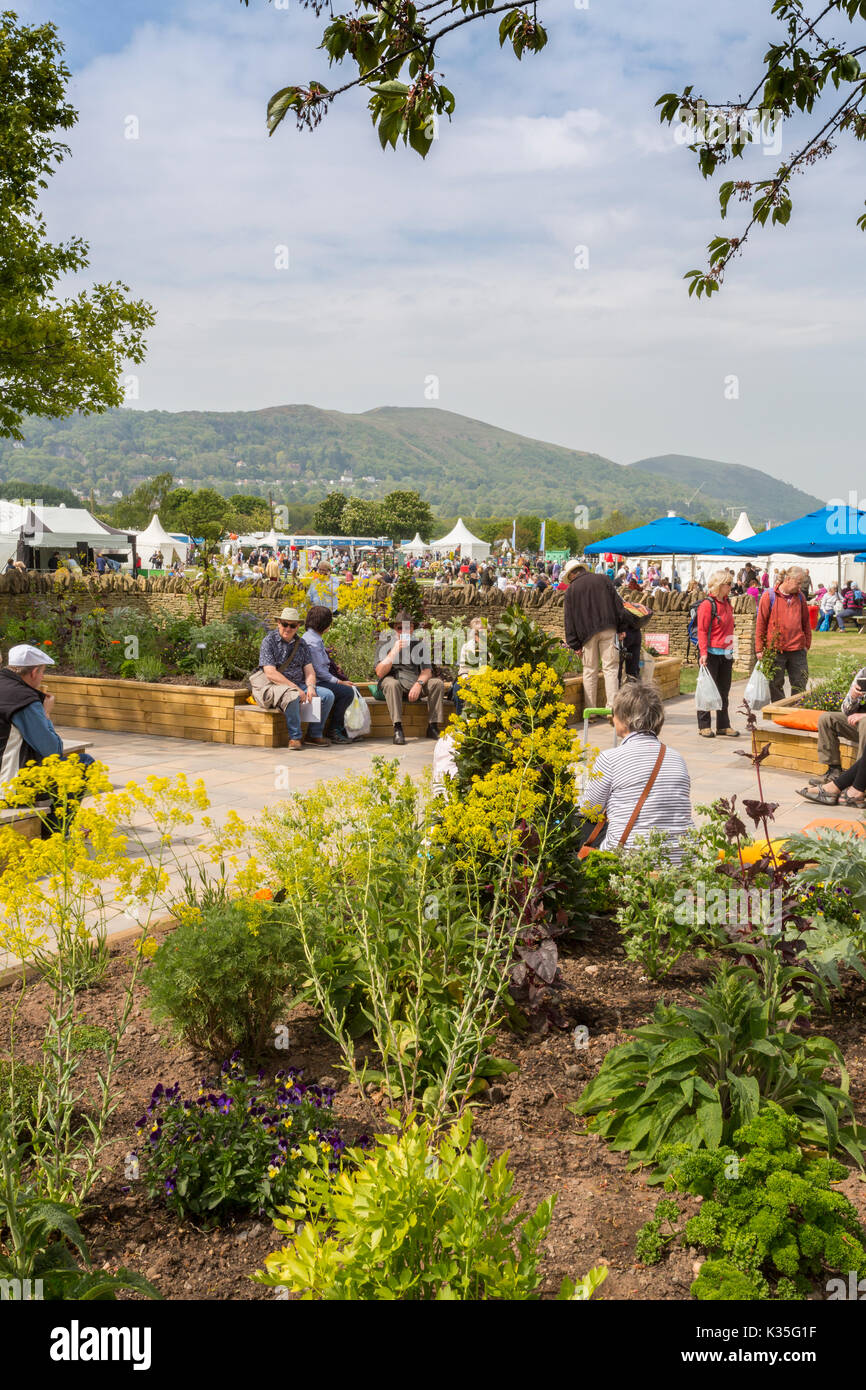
column 26, row 732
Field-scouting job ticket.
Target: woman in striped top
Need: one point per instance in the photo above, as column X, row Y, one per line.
column 620, row 775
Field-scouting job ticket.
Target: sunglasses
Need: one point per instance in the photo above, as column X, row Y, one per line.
column 282, row 624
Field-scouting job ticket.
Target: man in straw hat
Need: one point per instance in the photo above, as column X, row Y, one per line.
column 285, row 679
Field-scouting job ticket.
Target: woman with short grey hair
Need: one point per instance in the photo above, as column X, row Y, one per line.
column 640, row 774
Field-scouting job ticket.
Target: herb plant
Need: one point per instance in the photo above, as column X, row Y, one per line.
column 769, row 1219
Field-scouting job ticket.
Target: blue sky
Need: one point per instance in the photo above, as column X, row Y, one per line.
column 463, row 267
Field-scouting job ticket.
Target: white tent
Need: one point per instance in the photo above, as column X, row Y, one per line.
column 416, row 546
column 461, row 538
column 64, row 529
column 157, row 538
column 742, row 529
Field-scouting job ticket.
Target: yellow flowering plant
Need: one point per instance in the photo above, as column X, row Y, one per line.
column 515, row 795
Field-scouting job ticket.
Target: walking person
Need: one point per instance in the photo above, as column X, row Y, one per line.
column 715, row 625
column 783, row 630
column 594, row 615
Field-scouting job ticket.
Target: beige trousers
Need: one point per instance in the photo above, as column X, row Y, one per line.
column 433, row 692
column 600, row 653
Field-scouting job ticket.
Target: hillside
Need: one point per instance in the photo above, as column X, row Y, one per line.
column 299, row 452
column 746, row 489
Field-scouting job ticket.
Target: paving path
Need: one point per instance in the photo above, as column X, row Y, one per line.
column 248, row 780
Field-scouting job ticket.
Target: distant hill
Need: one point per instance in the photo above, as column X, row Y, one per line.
column 747, row 489
column 299, row 452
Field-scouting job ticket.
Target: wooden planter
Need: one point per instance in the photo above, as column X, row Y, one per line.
column 213, row 715
column 796, row 749
column 204, row 713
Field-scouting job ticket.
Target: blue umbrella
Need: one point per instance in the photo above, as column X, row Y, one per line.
column 831, row 530
column 668, row 535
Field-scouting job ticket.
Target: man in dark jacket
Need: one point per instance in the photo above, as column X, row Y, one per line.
column 594, row 614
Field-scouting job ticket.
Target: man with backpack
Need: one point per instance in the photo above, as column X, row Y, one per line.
column 783, row 629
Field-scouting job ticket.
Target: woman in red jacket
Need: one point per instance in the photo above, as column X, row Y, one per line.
column 716, row 647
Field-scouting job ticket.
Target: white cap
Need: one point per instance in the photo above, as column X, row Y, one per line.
column 25, row 655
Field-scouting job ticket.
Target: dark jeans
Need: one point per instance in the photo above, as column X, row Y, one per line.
column 721, row 668
column 796, row 665
column 343, row 697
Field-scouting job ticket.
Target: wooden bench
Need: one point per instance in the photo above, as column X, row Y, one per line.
column 266, row 728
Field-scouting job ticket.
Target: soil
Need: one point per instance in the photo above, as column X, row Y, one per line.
column 182, row 678
column 600, row 1206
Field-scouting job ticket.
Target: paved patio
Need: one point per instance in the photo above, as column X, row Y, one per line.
column 248, row 780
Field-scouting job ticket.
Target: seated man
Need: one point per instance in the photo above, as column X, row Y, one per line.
column 400, row 672
column 286, row 679
column 848, row 722
column 26, row 732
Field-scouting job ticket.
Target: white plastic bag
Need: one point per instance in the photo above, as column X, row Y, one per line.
column 357, row 717
column 707, row 696
column 757, row 692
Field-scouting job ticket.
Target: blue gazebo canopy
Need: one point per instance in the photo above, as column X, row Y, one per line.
column 668, row 535
column 831, row 530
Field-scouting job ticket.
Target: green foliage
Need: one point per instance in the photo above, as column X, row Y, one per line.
column 41, row 1240
column 653, row 1239
column 19, row 1091
column 427, row 1216
column 352, row 635
column 56, row 356
column 654, row 914
column 516, row 640
column 394, row 944
column 89, row 1037
column 208, row 672
column 598, row 869
column 407, row 595
column 222, row 976
column 238, row 1146
column 768, row 1213
column 148, row 668
column 828, row 694
column 328, row 516
column 696, row 1075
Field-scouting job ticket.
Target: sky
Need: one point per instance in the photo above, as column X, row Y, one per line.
column 463, row 274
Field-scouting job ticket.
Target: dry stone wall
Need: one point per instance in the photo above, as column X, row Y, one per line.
column 170, row 593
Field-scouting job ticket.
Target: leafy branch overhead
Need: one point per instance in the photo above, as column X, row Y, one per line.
column 393, row 47
column 56, row 356
column 809, row 73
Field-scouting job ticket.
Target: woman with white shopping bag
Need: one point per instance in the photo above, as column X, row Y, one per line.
column 715, row 621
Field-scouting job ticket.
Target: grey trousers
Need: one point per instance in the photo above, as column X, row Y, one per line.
column 434, row 692
column 831, row 727
column 796, row 664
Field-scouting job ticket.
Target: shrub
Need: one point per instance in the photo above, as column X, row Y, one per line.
column 598, row 870
column 657, row 926
column 426, row 1217
column 222, row 976
column 408, row 597
column 149, row 668
column 696, row 1075
column 518, row 641
column 768, row 1214
column 208, row 673
column 828, row 694
column 393, row 946
column 238, row 1146
column 352, row 636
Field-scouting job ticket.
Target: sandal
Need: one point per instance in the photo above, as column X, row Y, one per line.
column 847, row 800
column 818, row 794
